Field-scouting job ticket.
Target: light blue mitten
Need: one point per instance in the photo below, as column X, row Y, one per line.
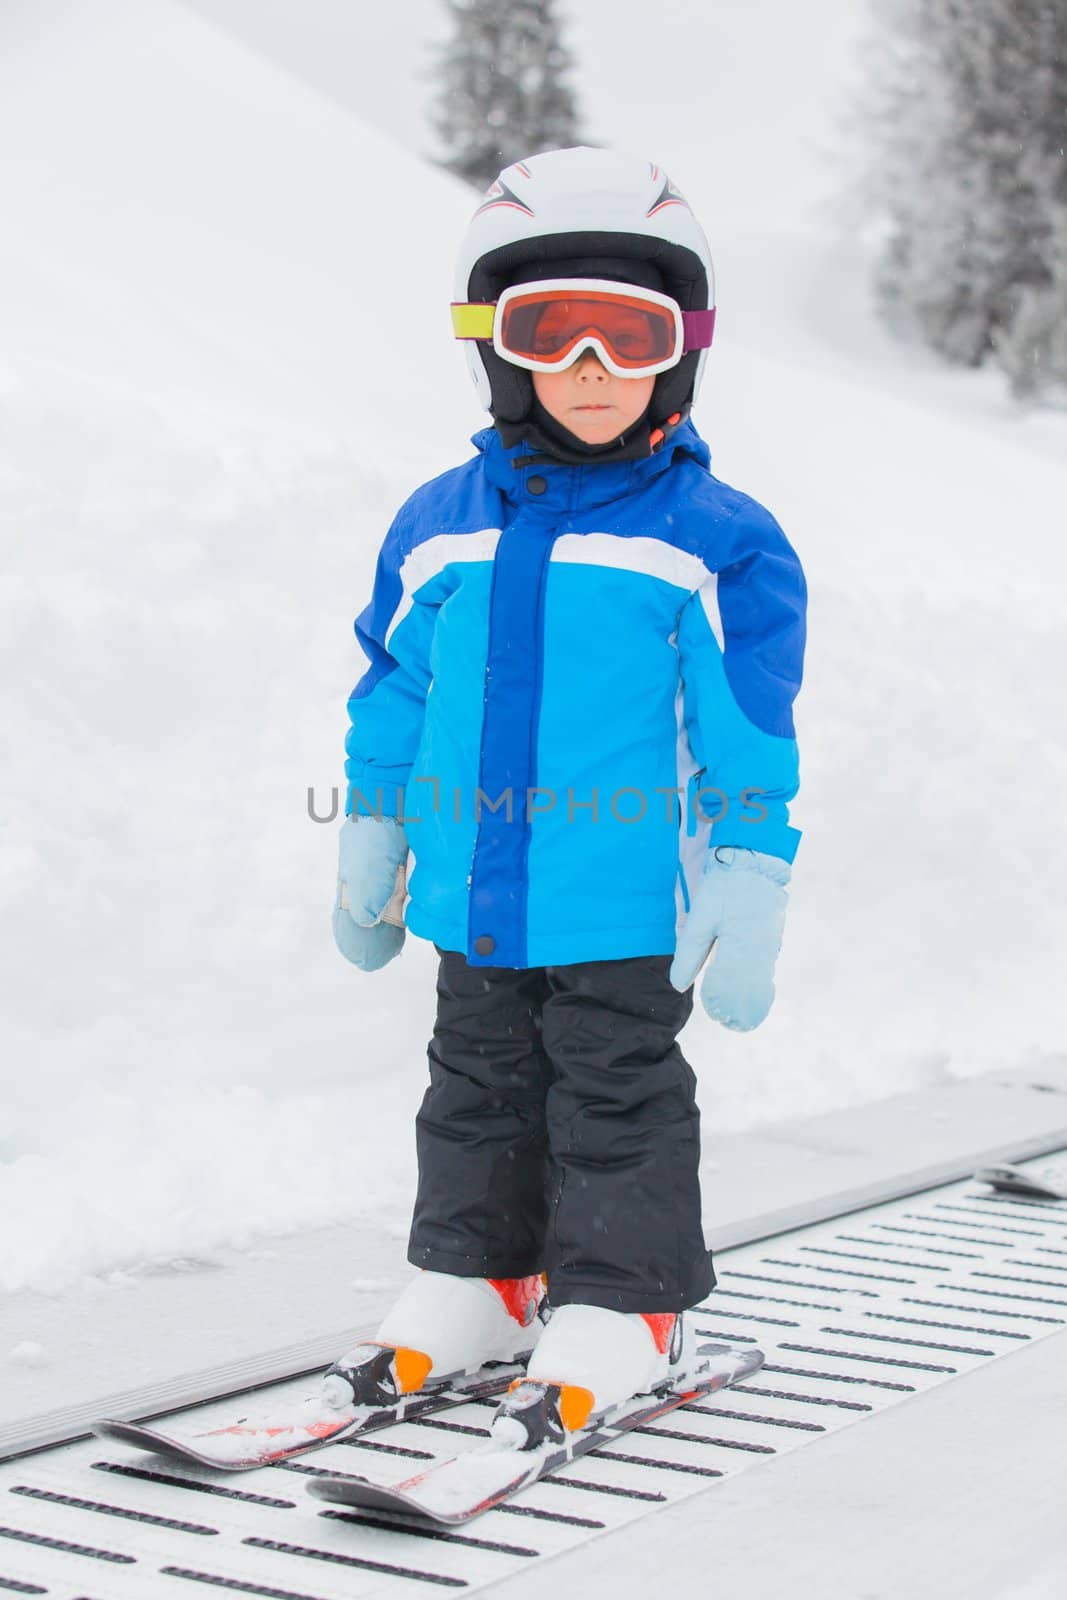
column 739, row 909
column 372, row 852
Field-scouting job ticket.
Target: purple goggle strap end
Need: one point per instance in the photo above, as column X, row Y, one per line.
column 699, row 328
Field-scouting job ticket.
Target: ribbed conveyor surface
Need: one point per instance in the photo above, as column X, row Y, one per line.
column 854, row 1315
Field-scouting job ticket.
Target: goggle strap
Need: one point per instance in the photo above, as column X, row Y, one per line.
column 475, row 321
column 699, row 329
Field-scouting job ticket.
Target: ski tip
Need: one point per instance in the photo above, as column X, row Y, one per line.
column 354, row 1491
column 140, row 1437
column 115, row 1428
column 326, row 1488
column 1038, row 1183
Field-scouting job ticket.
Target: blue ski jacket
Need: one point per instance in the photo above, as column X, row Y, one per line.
column 579, row 677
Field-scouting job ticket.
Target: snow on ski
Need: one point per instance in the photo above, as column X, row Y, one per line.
column 308, row 1424
column 462, row 1487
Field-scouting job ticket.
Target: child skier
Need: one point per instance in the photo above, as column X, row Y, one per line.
column 584, row 651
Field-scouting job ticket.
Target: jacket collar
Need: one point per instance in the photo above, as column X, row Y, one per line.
column 574, row 488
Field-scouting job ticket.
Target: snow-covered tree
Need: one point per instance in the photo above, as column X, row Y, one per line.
column 971, row 133
column 504, row 86
column 1033, row 351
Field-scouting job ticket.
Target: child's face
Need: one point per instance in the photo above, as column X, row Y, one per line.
column 590, row 401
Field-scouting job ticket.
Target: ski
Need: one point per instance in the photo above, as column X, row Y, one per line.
column 313, row 1421
column 462, row 1487
column 1047, row 1182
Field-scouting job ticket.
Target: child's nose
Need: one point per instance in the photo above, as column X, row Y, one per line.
column 590, row 366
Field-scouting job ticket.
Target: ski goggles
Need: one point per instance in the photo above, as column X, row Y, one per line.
column 545, row 327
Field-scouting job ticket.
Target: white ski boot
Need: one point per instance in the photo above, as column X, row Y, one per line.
column 588, row 1361
column 440, row 1327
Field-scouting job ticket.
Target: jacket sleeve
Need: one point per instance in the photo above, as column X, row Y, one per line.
column 387, row 707
column 741, row 648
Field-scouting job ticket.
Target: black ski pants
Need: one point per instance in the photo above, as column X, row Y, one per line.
column 560, row 1133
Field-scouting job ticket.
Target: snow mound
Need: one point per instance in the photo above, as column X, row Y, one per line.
column 223, row 346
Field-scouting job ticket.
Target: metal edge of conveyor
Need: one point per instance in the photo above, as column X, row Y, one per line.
column 842, row 1202
column 47, row 1429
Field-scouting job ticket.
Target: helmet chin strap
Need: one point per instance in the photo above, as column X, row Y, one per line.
column 551, row 441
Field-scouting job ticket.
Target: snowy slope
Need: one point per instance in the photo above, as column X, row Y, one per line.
column 196, row 224
column 210, row 415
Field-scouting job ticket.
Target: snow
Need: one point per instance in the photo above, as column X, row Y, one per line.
column 28, row 1353
column 224, row 361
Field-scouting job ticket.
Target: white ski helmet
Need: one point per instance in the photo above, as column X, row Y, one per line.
column 589, row 207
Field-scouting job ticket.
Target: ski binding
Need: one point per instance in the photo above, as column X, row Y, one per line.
column 531, row 1444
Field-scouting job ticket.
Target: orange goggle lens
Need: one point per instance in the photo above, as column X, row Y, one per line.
column 547, row 326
